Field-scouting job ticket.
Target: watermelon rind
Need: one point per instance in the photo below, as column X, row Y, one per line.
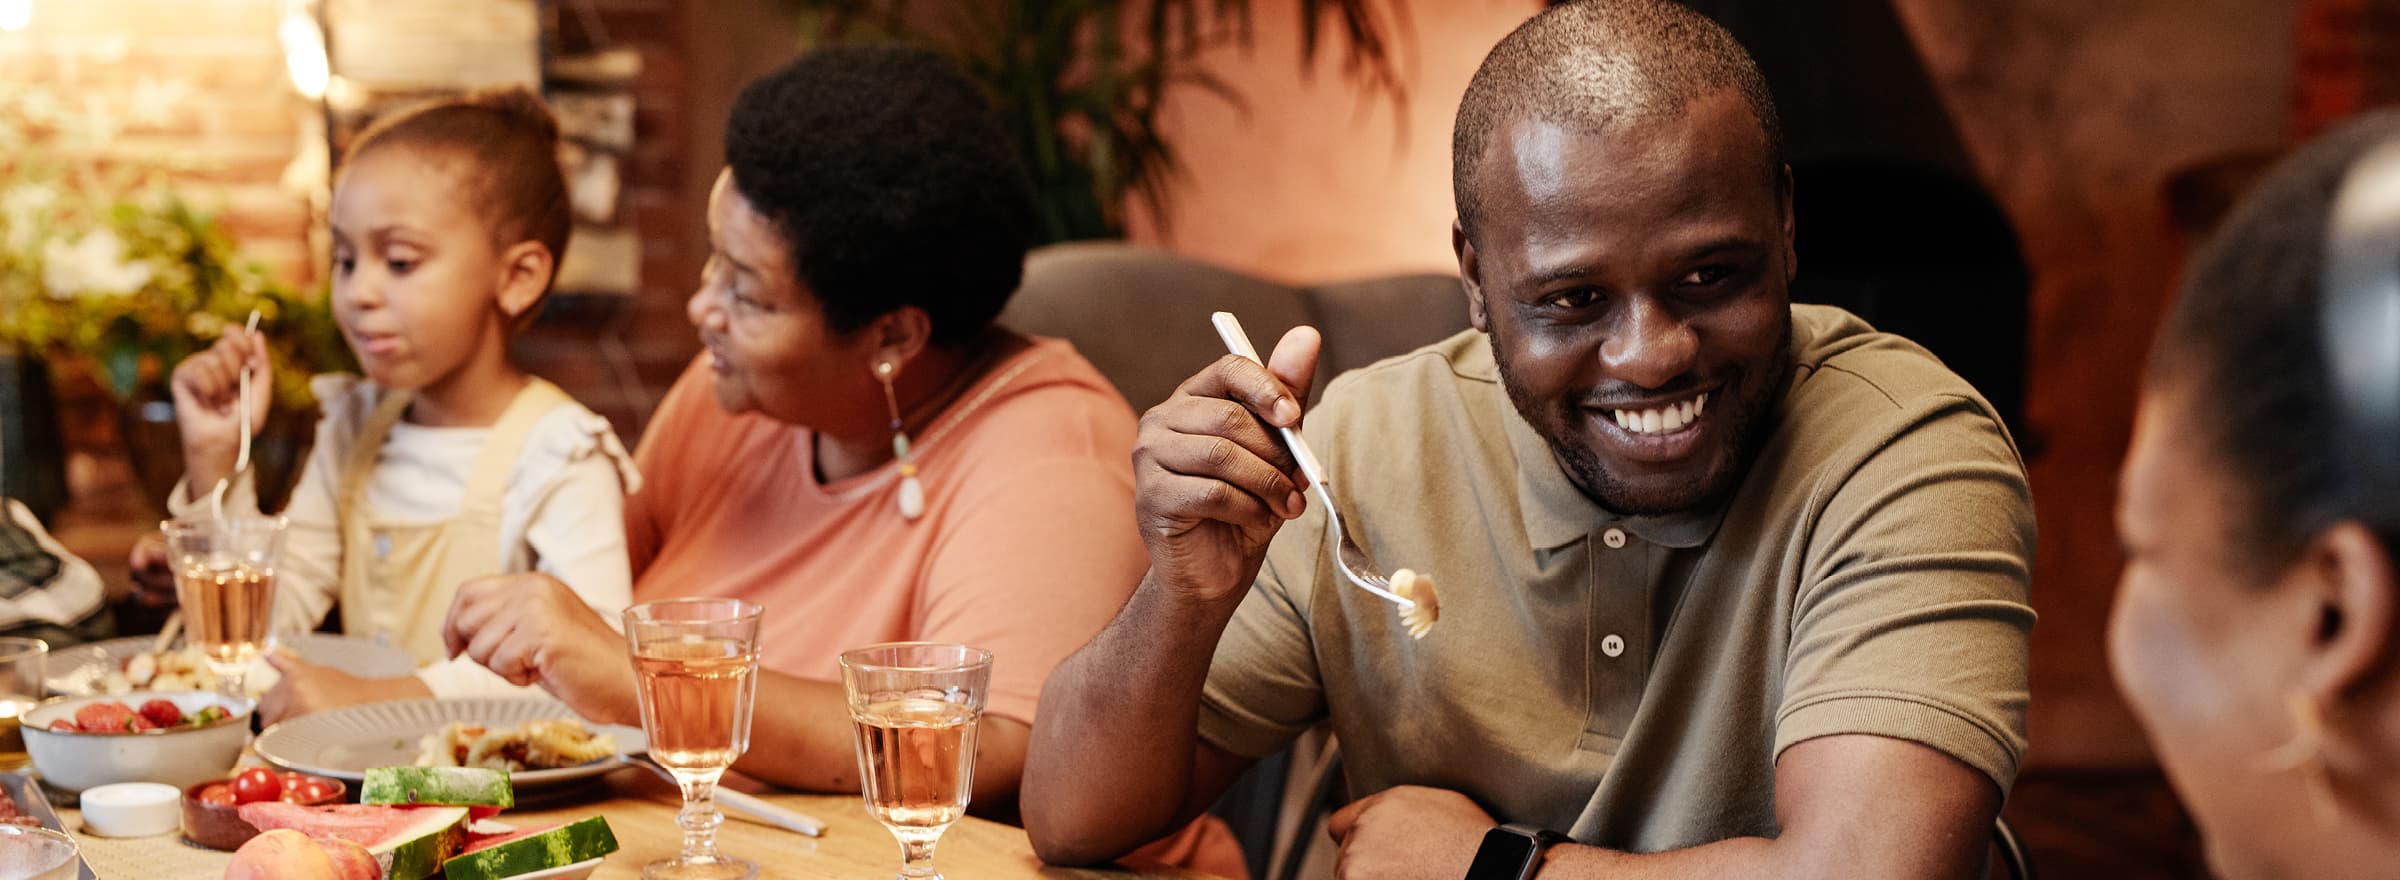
column 412, row 849
column 446, row 786
column 567, row 844
column 418, row 851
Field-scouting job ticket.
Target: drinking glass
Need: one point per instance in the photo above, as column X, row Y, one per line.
column 913, row 707
column 22, row 669
column 225, row 581
column 37, row 854
column 696, row 664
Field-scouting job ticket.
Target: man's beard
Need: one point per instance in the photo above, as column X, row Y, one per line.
column 1747, row 404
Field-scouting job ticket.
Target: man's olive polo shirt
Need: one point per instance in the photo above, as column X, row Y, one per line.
column 1631, row 680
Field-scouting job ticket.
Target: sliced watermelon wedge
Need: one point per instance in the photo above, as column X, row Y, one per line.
column 410, row 843
column 447, row 786
column 525, row 851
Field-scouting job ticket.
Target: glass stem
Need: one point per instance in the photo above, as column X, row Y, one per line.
column 916, row 852
column 699, row 819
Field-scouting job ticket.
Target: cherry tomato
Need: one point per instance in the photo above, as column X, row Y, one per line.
column 313, row 791
column 219, row 794
column 162, row 713
column 292, row 781
column 256, row 784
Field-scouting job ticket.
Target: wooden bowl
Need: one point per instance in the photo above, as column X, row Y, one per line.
column 219, row 826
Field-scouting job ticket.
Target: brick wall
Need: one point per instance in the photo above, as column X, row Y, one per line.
column 618, row 354
column 196, row 84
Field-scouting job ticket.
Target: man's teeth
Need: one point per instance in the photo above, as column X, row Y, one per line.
column 1661, row 420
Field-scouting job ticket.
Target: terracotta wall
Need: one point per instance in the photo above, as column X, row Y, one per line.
column 2073, row 112
column 1304, row 181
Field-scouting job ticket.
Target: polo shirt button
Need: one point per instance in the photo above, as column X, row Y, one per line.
column 1612, row 645
column 1614, row 538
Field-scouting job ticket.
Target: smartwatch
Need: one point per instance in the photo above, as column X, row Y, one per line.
column 1512, row 852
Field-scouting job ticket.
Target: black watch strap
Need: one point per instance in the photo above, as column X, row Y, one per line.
column 1512, row 852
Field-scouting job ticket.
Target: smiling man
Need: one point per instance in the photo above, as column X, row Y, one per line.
column 1730, row 587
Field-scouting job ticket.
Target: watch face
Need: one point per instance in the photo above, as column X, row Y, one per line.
column 1503, row 856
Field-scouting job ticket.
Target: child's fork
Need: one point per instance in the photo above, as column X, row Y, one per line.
column 1413, row 593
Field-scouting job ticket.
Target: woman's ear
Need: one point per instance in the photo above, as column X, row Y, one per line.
column 525, row 269
column 2349, row 575
column 900, row 334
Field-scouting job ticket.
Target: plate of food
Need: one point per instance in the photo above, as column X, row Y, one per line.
column 117, row 666
column 540, row 742
column 22, row 803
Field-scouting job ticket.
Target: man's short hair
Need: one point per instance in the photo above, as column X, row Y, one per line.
column 1599, row 64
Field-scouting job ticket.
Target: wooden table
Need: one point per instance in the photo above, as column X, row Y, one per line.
column 641, row 811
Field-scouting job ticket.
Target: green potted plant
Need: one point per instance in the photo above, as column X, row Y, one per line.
column 1078, row 83
column 109, row 271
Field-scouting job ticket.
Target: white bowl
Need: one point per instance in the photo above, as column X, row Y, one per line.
column 74, row 761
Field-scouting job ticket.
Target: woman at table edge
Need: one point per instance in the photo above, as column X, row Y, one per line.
column 2256, row 633
column 860, row 449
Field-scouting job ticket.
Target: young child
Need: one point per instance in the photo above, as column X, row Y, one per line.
column 446, row 462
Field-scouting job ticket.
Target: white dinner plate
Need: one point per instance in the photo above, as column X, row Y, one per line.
column 343, row 743
column 75, row 671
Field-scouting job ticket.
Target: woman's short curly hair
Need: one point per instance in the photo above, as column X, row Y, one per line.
column 887, row 174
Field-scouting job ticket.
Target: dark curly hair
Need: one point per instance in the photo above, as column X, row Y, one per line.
column 2244, row 339
column 887, row 174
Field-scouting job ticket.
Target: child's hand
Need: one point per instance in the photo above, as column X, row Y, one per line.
column 153, row 572
column 207, row 389
column 306, row 687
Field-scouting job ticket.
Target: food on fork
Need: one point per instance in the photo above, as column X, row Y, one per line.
column 1424, row 607
column 534, row 745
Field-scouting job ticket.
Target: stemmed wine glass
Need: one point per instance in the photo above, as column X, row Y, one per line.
column 696, row 664
column 225, row 582
column 914, row 707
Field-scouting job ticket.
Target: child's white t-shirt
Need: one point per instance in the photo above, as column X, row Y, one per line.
column 562, row 513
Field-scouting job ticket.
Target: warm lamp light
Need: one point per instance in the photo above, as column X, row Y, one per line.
column 15, row 14
column 303, row 50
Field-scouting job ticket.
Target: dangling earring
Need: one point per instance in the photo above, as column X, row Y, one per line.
column 912, row 493
column 2304, row 753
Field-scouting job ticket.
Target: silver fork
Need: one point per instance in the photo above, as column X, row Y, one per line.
column 1348, row 558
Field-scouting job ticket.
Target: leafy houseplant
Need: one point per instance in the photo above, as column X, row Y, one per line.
column 1078, row 83
column 111, row 272
column 128, row 283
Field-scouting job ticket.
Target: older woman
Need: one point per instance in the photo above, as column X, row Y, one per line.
column 860, row 449
column 2257, row 630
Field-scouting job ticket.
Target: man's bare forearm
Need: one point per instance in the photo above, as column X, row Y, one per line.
column 1111, row 766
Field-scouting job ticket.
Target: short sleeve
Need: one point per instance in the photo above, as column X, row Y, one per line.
column 1263, row 686
column 1031, row 566
column 1912, row 621
column 659, row 458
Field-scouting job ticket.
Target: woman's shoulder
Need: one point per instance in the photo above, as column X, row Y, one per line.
column 1044, row 398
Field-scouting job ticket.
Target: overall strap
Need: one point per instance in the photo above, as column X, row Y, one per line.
column 488, row 480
